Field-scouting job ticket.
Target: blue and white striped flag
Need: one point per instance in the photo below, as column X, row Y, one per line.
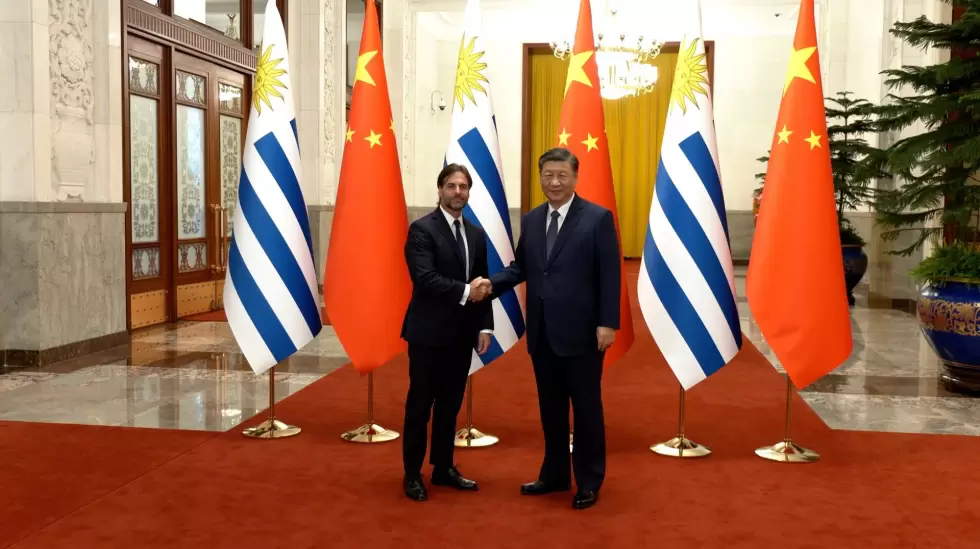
column 686, row 287
column 473, row 143
column 270, row 288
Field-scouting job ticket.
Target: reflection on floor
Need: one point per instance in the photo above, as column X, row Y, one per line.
column 190, row 375
column 187, row 375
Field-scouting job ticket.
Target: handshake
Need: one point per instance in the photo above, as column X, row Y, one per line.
column 480, row 289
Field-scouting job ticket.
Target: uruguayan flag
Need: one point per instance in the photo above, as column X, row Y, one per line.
column 473, row 143
column 686, row 287
column 270, row 287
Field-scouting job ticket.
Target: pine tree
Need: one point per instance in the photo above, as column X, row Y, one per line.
column 939, row 166
column 761, row 176
column 854, row 162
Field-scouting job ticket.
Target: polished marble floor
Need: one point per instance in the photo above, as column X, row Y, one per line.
column 187, row 375
column 190, row 375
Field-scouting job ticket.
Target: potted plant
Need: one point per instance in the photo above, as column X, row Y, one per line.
column 940, row 198
column 854, row 164
column 757, row 193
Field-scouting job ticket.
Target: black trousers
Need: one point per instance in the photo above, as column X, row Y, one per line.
column 579, row 379
column 437, row 382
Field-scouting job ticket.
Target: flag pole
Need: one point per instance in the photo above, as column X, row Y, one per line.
column 471, row 437
column 681, row 446
column 272, row 427
column 370, row 432
column 788, row 451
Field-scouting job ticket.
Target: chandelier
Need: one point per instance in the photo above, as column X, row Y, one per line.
column 622, row 56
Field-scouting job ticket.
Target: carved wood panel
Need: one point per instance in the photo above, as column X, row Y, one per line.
column 184, row 35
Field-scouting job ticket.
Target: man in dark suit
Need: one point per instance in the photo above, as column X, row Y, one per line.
column 447, row 318
column 568, row 253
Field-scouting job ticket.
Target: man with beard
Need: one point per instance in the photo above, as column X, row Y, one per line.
column 447, row 318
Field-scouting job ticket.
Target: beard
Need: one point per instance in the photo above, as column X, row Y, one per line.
column 453, row 203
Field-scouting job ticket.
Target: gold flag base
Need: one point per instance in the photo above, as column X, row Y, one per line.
column 370, row 433
column 473, row 438
column 681, row 446
column 789, row 452
column 271, row 428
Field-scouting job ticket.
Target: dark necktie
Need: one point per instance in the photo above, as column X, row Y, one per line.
column 460, row 247
column 552, row 235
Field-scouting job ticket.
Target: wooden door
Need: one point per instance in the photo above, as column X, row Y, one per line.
column 148, row 173
column 209, row 129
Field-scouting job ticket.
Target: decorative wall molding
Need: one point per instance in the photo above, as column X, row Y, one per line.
column 182, row 34
column 330, row 80
column 892, row 58
column 408, row 90
column 70, row 55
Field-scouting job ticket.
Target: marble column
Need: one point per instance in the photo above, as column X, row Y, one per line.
column 25, row 144
column 317, row 29
column 62, row 220
column 888, row 275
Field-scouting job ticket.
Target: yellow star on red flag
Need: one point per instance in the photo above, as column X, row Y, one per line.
column 590, row 143
column 374, row 139
column 576, row 70
column 813, row 140
column 563, row 138
column 797, row 67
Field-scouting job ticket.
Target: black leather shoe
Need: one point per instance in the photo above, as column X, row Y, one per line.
column 539, row 488
column 414, row 489
column 585, row 498
column 454, row 479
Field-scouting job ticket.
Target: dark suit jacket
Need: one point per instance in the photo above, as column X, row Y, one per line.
column 438, row 272
column 577, row 289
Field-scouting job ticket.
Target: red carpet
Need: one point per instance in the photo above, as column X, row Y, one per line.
column 219, row 316
column 49, row 470
column 868, row 490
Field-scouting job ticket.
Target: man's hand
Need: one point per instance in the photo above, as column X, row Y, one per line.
column 606, row 336
column 479, row 289
column 484, row 344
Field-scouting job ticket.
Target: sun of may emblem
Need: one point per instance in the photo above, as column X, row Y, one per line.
column 688, row 77
column 469, row 73
column 267, row 80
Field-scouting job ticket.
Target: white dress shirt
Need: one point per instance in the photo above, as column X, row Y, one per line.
column 562, row 214
column 466, row 247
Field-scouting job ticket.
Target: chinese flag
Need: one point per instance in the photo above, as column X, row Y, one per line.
column 367, row 287
column 795, row 283
column 582, row 130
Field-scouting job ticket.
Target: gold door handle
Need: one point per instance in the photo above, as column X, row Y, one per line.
column 224, row 238
column 217, row 228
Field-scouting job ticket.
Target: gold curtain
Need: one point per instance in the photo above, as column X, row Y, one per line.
column 634, row 127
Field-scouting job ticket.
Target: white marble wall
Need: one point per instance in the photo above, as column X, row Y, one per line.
column 61, row 103
column 63, row 272
column 317, row 35
column 25, row 143
column 62, row 220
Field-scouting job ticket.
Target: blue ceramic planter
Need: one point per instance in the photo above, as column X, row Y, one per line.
column 949, row 316
column 855, row 265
